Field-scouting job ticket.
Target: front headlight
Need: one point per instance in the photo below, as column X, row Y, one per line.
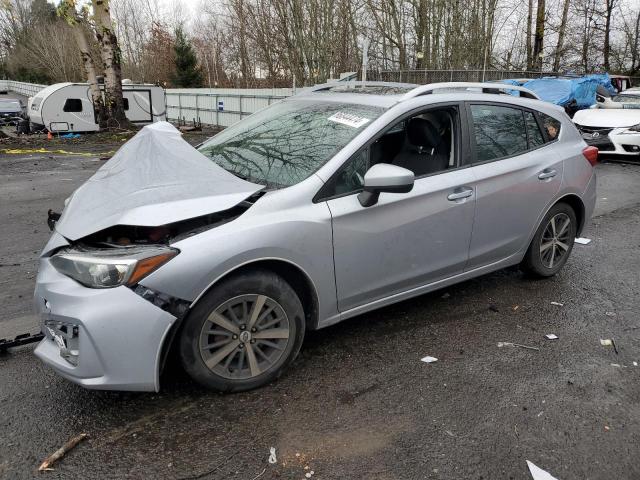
column 108, row 268
column 635, row 128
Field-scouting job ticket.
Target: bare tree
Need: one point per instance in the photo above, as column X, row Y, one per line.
column 557, row 56
column 606, row 48
column 111, row 63
column 78, row 23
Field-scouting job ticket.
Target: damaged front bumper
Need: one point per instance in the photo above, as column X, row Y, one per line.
column 107, row 339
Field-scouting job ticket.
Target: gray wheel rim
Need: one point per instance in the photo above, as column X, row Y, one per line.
column 555, row 242
column 244, row 337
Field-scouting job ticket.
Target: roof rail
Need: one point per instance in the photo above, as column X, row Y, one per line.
column 354, row 83
column 485, row 87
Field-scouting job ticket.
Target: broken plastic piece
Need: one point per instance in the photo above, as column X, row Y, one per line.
column 583, row 241
column 608, row 342
column 429, row 359
column 551, row 336
column 538, row 474
column 558, row 304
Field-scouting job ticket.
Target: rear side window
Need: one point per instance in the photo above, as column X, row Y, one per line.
column 551, row 127
column 499, row 132
column 535, row 135
column 72, row 105
column 126, row 103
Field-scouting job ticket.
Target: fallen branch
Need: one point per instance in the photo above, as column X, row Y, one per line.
column 61, row 452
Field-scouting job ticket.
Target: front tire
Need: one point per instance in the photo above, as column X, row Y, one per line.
column 553, row 242
column 244, row 333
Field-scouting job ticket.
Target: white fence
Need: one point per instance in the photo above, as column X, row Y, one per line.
column 23, row 88
column 210, row 106
column 219, row 106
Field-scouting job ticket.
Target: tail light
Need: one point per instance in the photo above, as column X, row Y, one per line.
column 591, row 154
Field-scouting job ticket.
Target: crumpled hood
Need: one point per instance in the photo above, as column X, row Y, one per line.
column 607, row 118
column 154, row 179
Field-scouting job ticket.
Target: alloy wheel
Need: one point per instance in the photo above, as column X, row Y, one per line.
column 556, row 240
column 244, row 337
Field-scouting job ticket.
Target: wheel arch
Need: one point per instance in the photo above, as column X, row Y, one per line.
column 576, row 203
column 294, row 275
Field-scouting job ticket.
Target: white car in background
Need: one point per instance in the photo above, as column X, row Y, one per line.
column 613, row 123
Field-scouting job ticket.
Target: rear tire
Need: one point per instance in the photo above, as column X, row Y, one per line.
column 244, row 333
column 552, row 243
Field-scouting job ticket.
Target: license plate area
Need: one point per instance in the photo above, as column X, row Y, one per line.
column 66, row 337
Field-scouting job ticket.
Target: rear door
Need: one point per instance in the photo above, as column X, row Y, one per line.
column 516, row 175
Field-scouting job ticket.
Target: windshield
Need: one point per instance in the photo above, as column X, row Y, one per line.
column 285, row 143
column 628, row 98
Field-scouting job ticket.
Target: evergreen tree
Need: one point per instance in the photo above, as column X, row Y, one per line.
column 187, row 74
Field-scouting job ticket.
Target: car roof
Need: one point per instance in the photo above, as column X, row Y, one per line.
column 388, row 94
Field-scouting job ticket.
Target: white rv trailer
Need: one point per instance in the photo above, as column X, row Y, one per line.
column 68, row 107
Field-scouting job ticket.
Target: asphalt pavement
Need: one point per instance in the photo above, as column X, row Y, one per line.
column 358, row 402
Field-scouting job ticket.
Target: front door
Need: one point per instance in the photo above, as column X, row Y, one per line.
column 405, row 240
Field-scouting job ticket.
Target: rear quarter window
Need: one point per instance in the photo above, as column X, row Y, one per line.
column 551, row 127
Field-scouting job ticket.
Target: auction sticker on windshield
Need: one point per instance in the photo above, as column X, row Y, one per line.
column 348, row 119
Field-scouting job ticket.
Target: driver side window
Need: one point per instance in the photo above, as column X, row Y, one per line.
column 350, row 178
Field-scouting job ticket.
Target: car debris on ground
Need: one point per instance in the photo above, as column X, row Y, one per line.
column 557, row 304
column 551, row 336
column 428, row 359
column 539, row 474
column 608, row 342
column 272, row 455
column 582, row 241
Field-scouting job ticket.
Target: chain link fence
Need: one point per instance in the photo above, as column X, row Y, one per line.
column 435, row 76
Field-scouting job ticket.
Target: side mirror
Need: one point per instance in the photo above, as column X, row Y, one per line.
column 384, row 177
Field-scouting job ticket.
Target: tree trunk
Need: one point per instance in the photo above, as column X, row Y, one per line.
column 67, row 10
column 539, row 39
column 111, row 60
column 90, row 69
column 606, row 49
column 528, row 39
column 561, row 32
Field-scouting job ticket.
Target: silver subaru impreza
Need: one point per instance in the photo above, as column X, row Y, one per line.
column 339, row 200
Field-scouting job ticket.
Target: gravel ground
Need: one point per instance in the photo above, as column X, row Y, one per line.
column 358, row 402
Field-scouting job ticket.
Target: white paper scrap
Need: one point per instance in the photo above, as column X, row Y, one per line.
column 272, row 455
column 557, row 304
column 429, row 359
column 538, row 474
column 583, row 241
column 605, row 342
column 551, row 336
column 348, row 119
column 635, row 364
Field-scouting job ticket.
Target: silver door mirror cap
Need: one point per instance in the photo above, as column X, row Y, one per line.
column 384, row 177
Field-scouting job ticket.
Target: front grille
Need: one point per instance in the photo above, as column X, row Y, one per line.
column 597, row 137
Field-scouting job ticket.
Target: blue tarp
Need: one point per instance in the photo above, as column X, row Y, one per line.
column 562, row 91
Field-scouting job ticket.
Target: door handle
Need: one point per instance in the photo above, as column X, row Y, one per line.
column 547, row 174
column 459, row 194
